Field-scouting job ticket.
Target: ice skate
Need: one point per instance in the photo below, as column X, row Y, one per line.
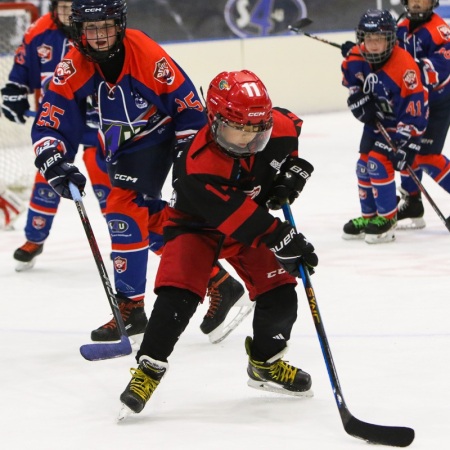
column 410, row 212
column 134, row 318
column 276, row 375
column 26, row 255
column 380, row 230
column 355, row 228
column 145, row 379
column 224, row 293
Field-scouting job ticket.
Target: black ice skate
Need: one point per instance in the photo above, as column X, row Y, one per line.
column 223, row 292
column 144, row 381
column 380, row 230
column 276, row 375
column 355, row 228
column 134, row 318
column 26, row 255
column 411, row 207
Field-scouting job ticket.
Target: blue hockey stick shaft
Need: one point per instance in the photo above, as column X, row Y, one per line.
column 99, row 351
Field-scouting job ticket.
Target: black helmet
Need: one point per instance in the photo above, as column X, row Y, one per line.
column 375, row 21
column 66, row 29
column 420, row 16
column 96, row 11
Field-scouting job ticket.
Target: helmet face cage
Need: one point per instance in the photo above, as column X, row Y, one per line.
column 239, row 101
column 66, row 29
column 97, row 11
column 423, row 15
column 379, row 23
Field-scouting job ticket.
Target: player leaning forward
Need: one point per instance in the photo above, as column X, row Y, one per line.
column 242, row 162
column 147, row 107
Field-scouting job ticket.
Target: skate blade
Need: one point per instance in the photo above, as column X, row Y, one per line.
column 268, row 386
column 382, row 238
column 411, row 224
column 124, row 413
column 224, row 329
column 352, row 237
column 24, row 266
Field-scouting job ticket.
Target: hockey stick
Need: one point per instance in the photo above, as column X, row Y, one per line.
column 416, row 179
column 373, row 434
column 302, row 23
column 99, row 351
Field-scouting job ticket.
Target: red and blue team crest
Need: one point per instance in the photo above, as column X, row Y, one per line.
column 120, row 264
column 444, row 31
column 19, row 57
column 45, row 53
column 410, row 79
column 64, row 70
column 38, row 222
column 164, row 72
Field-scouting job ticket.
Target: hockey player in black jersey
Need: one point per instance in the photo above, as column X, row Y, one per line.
column 242, row 162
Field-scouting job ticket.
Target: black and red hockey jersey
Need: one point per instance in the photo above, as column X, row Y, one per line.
column 215, row 191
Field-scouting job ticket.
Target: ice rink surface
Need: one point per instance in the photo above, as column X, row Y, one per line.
column 385, row 309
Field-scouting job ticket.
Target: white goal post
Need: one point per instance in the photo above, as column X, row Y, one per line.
column 16, row 155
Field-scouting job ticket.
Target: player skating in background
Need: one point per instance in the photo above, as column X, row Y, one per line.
column 426, row 36
column 44, row 45
column 244, row 160
column 384, row 85
column 148, row 109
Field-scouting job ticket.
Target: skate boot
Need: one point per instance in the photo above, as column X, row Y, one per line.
column 134, row 318
column 276, row 375
column 26, row 255
column 380, row 230
column 355, row 228
column 144, row 381
column 223, row 292
column 410, row 208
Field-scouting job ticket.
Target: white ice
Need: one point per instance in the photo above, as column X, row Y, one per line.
column 384, row 309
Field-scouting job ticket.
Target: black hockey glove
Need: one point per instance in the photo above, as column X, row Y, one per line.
column 15, row 102
column 365, row 107
column 291, row 248
column 346, row 47
column 55, row 168
column 405, row 154
column 289, row 182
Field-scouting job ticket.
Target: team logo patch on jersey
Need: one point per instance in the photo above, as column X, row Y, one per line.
column 444, row 31
column 120, row 264
column 38, row 222
column 45, row 53
column 410, row 79
column 118, row 226
column 19, row 56
column 164, row 72
column 64, row 70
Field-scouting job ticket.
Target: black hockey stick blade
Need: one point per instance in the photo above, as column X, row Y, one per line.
column 302, row 23
column 100, row 351
column 379, row 434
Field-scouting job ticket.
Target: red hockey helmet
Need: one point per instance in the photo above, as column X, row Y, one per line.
column 239, row 101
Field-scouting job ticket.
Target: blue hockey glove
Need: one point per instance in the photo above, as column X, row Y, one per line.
column 365, row 107
column 405, row 154
column 55, row 168
column 15, row 102
column 346, row 47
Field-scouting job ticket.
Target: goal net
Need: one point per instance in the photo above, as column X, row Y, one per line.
column 16, row 155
